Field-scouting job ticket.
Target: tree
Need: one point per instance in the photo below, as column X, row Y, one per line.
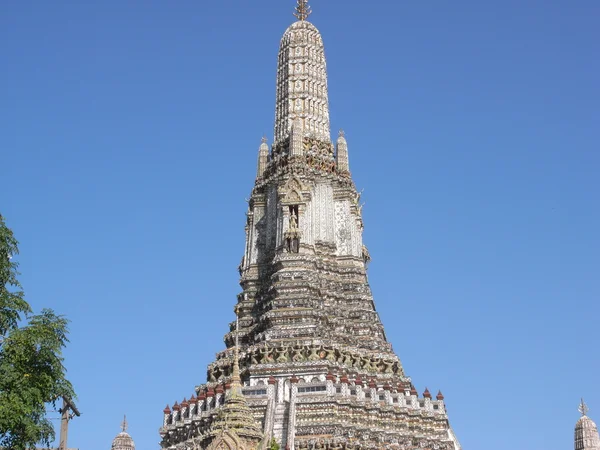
column 32, row 374
column 273, row 445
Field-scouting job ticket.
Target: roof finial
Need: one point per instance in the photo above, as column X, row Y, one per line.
column 235, row 378
column 124, row 424
column 302, row 10
column 583, row 409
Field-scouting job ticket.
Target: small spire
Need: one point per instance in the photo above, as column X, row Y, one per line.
column 341, row 133
column 124, row 424
column 583, row 409
column 264, row 140
column 235, row 378
column 303, row 10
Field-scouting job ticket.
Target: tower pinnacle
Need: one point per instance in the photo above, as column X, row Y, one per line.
column 303, row 10
column 235, row 378
column 583, row 409
column 302, row 81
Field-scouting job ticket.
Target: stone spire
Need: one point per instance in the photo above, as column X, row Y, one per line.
column 586, row 432
column 234, row 426
column 342, row 153
column 123, row 440
column 310, row 339
column 263, row 157
column 302, row 80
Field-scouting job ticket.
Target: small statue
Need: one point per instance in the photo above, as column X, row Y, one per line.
column 298, row 355
column 330, row 354
column 211, row 375
column 388, row 366
column 365, row 254
column 295, row 245
column 293, row 222
column 314, row 355
column 347, row 359
column 366, row 363
column 266, row 355
column 282, row 352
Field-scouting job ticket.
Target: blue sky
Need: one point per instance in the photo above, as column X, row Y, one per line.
column 129, row 136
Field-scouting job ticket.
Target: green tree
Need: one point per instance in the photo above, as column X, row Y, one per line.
column 32, row 374
column 273, row 445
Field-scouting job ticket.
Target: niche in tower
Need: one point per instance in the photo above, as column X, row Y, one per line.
column 292, row 236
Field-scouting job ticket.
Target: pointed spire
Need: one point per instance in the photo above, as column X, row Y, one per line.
column 124, row 424
column 341, row 156
column 440, row 396
column 303, row 10
column 236, row 381
column 235, row 416
column 583, row 409
column 263, row 156
column 302, row 81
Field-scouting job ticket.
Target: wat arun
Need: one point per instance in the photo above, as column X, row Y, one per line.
column 307, row 364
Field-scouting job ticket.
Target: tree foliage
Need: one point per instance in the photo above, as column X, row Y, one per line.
column 32, row 374
column 273, row 445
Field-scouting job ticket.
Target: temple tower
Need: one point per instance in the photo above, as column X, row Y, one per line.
column 586, row 432
column 123, row 440
column 314, row 366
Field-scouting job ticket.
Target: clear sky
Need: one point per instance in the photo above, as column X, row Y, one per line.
column 129, row 133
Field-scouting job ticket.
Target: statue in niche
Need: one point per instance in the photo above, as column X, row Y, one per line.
column 293, row 222
column 292, row 236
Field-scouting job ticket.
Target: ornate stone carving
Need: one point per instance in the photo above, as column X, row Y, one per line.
column 319, row 372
